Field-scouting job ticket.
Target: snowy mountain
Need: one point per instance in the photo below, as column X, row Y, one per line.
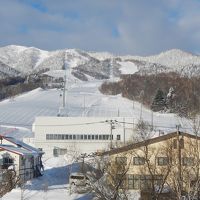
column 15, row 60
column 173, row 60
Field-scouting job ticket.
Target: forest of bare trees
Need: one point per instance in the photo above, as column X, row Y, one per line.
column 168, row 92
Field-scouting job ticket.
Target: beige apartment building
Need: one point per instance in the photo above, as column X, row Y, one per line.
column 168, row 161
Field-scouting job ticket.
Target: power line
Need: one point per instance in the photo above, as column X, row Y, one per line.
column 87, row 123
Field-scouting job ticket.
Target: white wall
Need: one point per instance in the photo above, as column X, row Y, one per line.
column 78, row 126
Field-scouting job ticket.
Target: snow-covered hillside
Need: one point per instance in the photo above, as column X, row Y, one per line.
column 173, row 60
column 83, row 99
column 100, row 65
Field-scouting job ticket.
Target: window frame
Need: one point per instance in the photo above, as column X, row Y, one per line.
column 138, row 160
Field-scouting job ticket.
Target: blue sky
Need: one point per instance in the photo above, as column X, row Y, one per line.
column 137, row 27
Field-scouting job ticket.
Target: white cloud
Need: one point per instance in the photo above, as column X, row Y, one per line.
column 122, row 27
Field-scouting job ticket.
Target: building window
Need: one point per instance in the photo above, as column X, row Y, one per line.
column 188, row 161
column 47, row 136
column 138, row 161
column 66, row 137
column 55, row 137
column 130, row 181
column 96, row 137
column 92, row 137
column 81, row 137
column 70, row 137
column 89, row 137
column 7, row 161
column 133, row 181
column 162, row 161
column 118, row 137
column 23, row 160
column 100, row 137
column 143, row 181
column 121, row 160
column 85, row 137
column 51, row 137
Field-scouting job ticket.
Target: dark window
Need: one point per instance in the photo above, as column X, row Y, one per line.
column 66, row 137
column 143, row 181
column 92, row 137
column 188, row 161
column 55, row 152
column 55, row 136
column 23, row 160
column 104, row 137
column 133, row 181
column 121, row 160
column 118, row 137
column 59, row 136
column 89, row 137
column 63, row 137
column 96, row 137
column 138, row 161
column 70, row 137
column 107, row 137
column 85, row 137
column 130, row 181
column 47, row 136
column 162, row 161
column 74, row 137
column 51, row 136
column 81, row 137
column 100, row 137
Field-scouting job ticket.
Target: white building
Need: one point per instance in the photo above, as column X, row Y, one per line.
column 25, row 159
column 58, row 135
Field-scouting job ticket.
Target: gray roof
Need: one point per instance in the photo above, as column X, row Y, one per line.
column 17, row 150
column 21, row 144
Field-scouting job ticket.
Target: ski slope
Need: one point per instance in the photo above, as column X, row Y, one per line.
column 82, row 99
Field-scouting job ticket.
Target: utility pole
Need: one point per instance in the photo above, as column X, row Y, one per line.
column 112, row 123
column 65, row 77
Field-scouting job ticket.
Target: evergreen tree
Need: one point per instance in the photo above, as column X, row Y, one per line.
column 158, row 103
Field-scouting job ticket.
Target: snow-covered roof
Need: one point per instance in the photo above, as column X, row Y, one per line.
column 23, row 145
column 17, row 150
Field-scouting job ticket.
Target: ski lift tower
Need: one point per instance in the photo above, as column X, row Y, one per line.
column 62, row 108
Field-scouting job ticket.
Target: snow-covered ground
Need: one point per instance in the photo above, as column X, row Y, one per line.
column 51, row 186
